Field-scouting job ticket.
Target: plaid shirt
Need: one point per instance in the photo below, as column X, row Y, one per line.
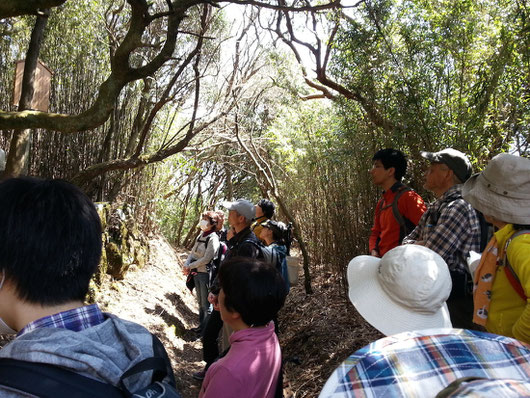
column 456, row 232
column 490, row 388
column 75, row 320
column 420, row 364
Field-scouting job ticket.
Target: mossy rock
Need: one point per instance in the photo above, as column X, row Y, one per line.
column 142, row 256
column 93, row 291
column 117, row 265
column 123, row 242
column 103, row 209
column 103, row 262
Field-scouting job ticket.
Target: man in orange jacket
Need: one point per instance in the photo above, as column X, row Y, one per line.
column 400, row 208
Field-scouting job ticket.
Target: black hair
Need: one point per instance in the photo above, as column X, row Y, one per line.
column 519, row 227
column 279, row 231
column 50, row 239
column 267, row 207
column 392, row 158
column 252, row 288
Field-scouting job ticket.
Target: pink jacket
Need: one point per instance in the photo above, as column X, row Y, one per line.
column 250, row 369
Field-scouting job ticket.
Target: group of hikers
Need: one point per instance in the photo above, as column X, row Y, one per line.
column 255, row 249
column 491, row 295
column 423, row 277
column 419, row 275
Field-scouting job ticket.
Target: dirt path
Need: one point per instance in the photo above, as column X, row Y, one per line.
column 156, row 297
column 319, row 331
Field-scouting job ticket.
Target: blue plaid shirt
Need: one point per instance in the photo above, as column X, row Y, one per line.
column 454, row 234
column 75, row 320
column 420, row 364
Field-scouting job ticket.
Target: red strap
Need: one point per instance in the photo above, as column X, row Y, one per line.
column 508, row 270
column 515, row 283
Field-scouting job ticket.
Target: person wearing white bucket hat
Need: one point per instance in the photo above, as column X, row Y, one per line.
column 502, row 280
column 405, row 290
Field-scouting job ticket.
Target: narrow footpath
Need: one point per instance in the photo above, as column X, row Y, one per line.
column 317, row 332
column 157, row 298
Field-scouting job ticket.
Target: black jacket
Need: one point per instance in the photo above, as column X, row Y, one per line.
column 243, row 244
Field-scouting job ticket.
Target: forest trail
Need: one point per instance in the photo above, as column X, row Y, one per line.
column 319, row 331
column 157, row 298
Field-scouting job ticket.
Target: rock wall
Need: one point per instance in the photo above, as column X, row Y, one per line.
column 124, row 245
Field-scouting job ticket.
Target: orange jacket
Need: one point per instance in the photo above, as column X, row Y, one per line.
column 385, row 232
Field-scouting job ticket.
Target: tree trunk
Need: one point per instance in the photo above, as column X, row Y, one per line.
column 18, row 157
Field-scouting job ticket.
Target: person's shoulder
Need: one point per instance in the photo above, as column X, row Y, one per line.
column 460, row 206
column 453, row 201
column 520, row 242
column 251, row 239
column 518, row 252
column 410, row 194
column 214, row 237
column 225, row 378
column 119, row 329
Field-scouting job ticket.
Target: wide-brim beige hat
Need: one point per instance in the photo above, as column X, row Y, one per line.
column 404, row 291
column 502, row 190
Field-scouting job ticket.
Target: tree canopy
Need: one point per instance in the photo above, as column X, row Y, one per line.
column 172, row 106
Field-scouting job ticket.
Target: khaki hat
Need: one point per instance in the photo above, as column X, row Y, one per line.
column 455, row 160
column 502, row 190
column 404, row 291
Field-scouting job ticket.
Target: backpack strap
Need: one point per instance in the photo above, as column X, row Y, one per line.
column 397, row 215
column 508, row 269
column 205, row 241
column 50, row 381
column 404, row 228
column 433, row 218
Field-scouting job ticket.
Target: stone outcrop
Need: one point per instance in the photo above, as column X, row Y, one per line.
column 124, row 245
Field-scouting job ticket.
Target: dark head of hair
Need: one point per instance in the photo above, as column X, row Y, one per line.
column 278, row 230
column 267, row 207
column 392, row 158
column 213, row 218
column 220, row 220
column 252, row 288
column 50, row 239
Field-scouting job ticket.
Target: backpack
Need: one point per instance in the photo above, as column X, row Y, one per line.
column 50, row 381
column 486, row 230
column 219, row 257
column 509, row 271
column 264, row 255
column 405, row 225
column 289, row 238
column 279, row 260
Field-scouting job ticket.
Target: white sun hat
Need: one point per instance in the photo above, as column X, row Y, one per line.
column 404, row 291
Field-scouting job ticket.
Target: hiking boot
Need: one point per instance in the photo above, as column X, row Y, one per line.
column 199, row 375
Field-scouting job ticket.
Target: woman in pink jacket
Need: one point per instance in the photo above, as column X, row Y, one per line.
column 252, row 292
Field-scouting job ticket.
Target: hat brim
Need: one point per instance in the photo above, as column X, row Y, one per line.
column 374, row 304
column 503, row 208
